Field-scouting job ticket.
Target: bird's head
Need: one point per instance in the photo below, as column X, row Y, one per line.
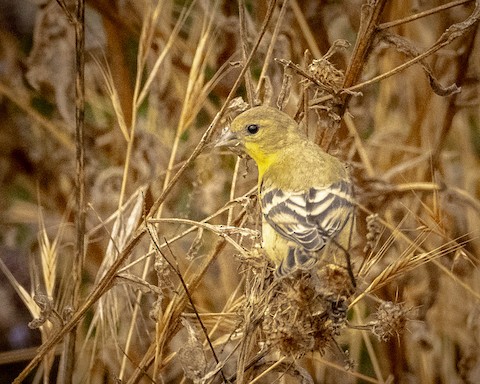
column 260, row 132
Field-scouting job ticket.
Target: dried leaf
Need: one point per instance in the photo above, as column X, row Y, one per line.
column 284, row 94
column 408, row 49
column 52, row 59
column 192, row 355
column 137, row 283
column 196, row 245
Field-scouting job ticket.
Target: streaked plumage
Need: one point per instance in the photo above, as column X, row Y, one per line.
column 305, row 193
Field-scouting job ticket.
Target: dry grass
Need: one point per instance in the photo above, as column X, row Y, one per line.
column 173, row 285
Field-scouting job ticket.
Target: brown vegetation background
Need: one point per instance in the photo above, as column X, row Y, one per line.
column 129, row 246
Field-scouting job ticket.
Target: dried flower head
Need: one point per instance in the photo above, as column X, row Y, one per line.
column 325, row 73
column 300, row 317
column 390, row 320
column 374, row 230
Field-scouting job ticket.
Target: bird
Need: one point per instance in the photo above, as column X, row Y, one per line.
column 306, row 194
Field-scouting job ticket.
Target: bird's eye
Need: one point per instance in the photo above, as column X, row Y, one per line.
column 252, row 128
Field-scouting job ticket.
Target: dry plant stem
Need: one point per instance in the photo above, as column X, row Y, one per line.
column 302, row 72
column 373, row 356
column 424, row 186
column 452, row 33
column 171, row 316
column 186, row 232
column 251, row 320
column 106, row 281
column 273, row 40
column 462, row 66
column 189, row 98
column 176, row 269
column 140, row 92
column 340, row 368
column 135, row 313
column 359, row 146
column 232, row 188
column 143, row 92
column 221, row 231
column 17, row 355
column 66, row 11
column 414, row 256
column 141, row 59
column 224, row 313
column 97, row 292
column 271, row 368
column 244, row 39
column 131, row 330
column 247, row 341
column 216, row 229
column 307, row 32
column 420, row 15
column 406, row 165
column 238, row 376
column 455, row 31
column 406, row 262
column 174, row 311
column 77, row 270
column 458, row 281
column 103, row 222
column 363, row 45
column 202, row 100
column 232, row 351
column 366, row 35
column 204, row 139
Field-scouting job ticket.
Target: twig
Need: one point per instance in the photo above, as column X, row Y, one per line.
column 273, row 40
column 420, row 15
column 80, row 200
column 221, row 230
column 176, row 269
column 302, row 72
column 244, row 39
column 455, row 31
column 371, row 14
column 310, row 37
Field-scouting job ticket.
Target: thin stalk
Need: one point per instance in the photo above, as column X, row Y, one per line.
column 273, row 40
column 420, row 15
column 77, row 271
column 306, row 30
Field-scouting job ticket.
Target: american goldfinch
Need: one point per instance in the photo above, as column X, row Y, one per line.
column 305, row 193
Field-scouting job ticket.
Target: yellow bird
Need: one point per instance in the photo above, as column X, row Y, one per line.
column 306, row 194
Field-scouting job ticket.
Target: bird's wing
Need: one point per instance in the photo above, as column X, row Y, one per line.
column 309, row 218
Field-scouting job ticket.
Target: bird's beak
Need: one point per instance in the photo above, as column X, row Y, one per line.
column 227, row 139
